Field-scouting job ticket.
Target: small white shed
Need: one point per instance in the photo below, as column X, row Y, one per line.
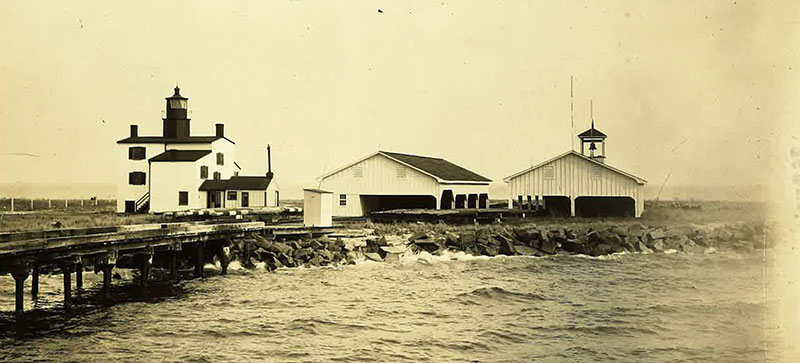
column 317, row 208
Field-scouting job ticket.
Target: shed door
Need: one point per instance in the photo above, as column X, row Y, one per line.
column 245, row 199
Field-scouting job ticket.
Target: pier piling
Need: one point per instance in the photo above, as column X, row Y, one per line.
column 19, row 274
column 199, row 259
column 66, row 269
column 79, row 276
column 35, row 284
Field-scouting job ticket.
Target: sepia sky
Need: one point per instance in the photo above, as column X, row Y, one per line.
column 697, row 90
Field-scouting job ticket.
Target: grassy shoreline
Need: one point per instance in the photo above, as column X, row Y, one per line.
column 663, row 214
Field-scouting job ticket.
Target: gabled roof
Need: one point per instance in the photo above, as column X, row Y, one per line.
column 572, row 152
column 437, row 167
column 168, row 140
column 440, row 169
column 237, row 183
column 180, row 155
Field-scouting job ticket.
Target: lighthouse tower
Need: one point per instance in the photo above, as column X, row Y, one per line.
column 176, row 124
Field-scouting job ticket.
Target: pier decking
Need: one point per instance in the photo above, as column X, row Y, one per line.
column 23, row 254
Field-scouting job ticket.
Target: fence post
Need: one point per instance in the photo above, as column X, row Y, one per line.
column 81, row 202
column 31, row 205
column 66, row 203
column 49, row 204
column 12, row 204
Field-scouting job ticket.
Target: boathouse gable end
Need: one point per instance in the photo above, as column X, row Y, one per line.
column 573, row 176
column 387, row 180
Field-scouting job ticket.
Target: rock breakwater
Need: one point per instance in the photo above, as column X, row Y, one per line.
column 528, row 240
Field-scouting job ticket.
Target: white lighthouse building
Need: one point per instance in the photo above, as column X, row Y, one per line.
column 165, row 173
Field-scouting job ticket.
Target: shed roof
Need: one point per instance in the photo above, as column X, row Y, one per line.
column 180, row 155
column 572, row 152
column 317, row 191
column 237, row 183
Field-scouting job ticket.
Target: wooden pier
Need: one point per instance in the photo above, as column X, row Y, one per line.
column 23, row 254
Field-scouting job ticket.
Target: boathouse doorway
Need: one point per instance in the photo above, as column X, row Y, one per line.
column 556, row 206
column 447, row 200
column 605, row 207
column 375, row 203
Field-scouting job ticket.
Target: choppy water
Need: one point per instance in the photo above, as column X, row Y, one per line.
column 649, row 308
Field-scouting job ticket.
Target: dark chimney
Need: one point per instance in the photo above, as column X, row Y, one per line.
column 134, row 130
column 269, row 161
column 220, row 130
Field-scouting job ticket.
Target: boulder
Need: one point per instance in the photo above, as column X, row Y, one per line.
column 391, row 250
column 429, row 246
column 619, row 231
column 418, row 236
column 280, row 248
column 286, row 260
column 656, row 234
column 557, row 235
column 507, row 248
column 316, row 260
column 373, row 256
column 468, row 239
column 573, row 246
column 549, row 246
column 637, row 230
column 641, row 247
column 601, row 249
column 523, row 235
column 657, row 245
column 489, row 250
column 495, row 240
column 263, row 243
column 525, row 250
column 452, row 240
column 594, row 237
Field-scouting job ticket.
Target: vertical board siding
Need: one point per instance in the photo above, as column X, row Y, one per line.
column 573, row 178
column 379, row 178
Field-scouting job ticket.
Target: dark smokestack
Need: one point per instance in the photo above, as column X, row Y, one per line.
column 134, row 130
column 220, row 130
column 269, row 160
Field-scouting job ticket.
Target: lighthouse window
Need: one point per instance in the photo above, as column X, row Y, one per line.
column 183, row 198
column 220, row 159
column 203, row 172
column 137, row 178
column 136, row 153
